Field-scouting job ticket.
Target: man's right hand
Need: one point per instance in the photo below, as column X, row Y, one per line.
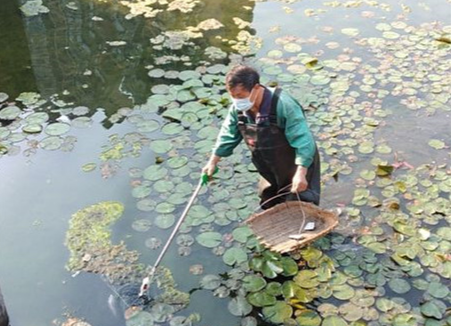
column 211, row 165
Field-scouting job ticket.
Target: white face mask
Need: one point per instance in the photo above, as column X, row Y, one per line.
column 243, row 104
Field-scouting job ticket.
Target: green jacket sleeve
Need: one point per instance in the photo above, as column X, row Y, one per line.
column 291, row 118
column 229, row 136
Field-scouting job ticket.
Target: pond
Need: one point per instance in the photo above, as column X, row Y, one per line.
column 109, row 109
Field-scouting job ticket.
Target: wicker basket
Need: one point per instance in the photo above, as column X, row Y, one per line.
column 278, row 228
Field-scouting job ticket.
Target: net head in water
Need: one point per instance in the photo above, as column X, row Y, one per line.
column 126, row 298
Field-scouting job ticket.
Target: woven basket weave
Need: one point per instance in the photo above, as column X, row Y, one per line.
column 274, row 226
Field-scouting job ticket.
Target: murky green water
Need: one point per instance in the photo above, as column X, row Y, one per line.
column 381, row 65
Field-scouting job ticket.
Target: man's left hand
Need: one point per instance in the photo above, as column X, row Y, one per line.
column 299, row 182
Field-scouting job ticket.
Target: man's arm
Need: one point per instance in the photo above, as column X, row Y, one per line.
column 299, row 137
column 228, row 139
column 298, row 134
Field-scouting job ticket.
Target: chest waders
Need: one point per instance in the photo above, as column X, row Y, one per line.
column 273, row 156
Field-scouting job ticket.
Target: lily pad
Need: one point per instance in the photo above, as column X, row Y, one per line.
column 209, row 239
column 334, row 321
column 3, row 97
column 165, row 221
column 51, row 143
column 239, row 306
column 308, row 318
column 399, row 285
column 350, row 31
column 155, row 172
column 57, row 129
column 253, row 283
column 10, row 112
column 278, row 313
column 435, row 143
column 234, row 256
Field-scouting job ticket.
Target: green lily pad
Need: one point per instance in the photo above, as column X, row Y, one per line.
column 156, row 73
column 80, row 110
column 165, row 221
column 210, row 282
column 172, row 129
column 209, row 239
column 234, row 256
column 435, row 143
column 350, row 31
column 248, row 321
column 161, row 146
column 57, row 129
column 433, row 308
column 10, row 112
column 82, row 122
column 343, row 292
column 155, row 172
column 241, row 234
column 189, row 74
column 177, row 162
column 438, row 290
column 292, row 47
column 253, row 283
column 275, row 54
column 32, row 128
column 399, row 285
column 37, row 118
column 307, row 279
column 148, row 125
column 165, row 208
column 164, row 186
column 334, row 321
column 308, row 318
column 239, row 306
column 391, row 35
column 3, row 97
column 366, row 147
column 320, row 80
column 89, row 167
column 261, row 299
column 278, row 313
column 51, row 143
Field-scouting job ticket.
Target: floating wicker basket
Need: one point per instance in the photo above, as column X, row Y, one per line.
column 277, row 227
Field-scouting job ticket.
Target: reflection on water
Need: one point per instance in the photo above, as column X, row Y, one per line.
column 72, row 51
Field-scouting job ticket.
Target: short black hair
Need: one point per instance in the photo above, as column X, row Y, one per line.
column 242, row 75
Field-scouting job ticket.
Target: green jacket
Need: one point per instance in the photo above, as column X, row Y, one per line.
column 290, row 118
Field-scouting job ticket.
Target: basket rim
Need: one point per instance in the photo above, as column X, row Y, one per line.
column 290, row 205
column 331, row 219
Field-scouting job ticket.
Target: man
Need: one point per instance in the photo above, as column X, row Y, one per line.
column 4, row 320
column 274, row 127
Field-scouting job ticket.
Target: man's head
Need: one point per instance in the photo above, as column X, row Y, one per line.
column 240, row 83
column 243, row 76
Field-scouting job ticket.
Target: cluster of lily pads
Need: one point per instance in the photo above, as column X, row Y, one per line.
column 395, row 254
column 364, row 278
column 29, row 123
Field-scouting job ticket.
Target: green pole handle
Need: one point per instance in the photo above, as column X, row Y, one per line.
column 205, row 178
